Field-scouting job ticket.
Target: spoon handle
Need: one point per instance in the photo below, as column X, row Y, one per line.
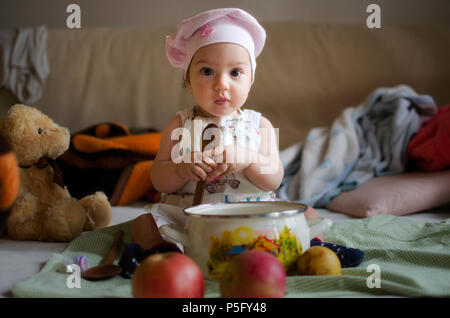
column 198, row 195
column 114, row 249
column 200, row 188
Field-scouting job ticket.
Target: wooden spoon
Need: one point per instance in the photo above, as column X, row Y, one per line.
column 106, row 269
column 200, row 188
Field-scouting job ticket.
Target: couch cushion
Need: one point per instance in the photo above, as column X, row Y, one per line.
column 307, row 74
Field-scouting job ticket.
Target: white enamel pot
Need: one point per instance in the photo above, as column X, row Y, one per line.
column 214, row 233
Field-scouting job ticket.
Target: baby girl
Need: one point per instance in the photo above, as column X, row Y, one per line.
column 217, row 51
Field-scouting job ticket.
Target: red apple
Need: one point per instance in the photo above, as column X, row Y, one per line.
column 253, row 274
column 168, row 275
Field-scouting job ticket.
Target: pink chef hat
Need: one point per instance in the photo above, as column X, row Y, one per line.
column 213, row 26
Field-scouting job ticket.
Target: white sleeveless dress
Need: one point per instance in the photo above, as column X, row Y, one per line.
column 242, row 130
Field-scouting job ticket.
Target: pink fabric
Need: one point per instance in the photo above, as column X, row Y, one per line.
column 429, row 149
column 215, row 26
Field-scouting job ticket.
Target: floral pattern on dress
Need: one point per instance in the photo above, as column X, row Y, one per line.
column 212, row 186
column 239, row 130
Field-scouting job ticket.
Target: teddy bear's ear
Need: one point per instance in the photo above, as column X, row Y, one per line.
column 13, row 125
column 10, row 120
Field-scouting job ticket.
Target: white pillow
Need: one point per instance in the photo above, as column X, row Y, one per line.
column 398, row 195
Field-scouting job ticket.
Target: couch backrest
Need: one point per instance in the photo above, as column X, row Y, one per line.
column 306, row 75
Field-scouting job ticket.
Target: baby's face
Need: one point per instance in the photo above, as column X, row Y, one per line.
column 220, row 77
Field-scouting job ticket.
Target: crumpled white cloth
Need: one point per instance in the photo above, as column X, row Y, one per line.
column 24, row 65
column 168, row 214
column 362, row 143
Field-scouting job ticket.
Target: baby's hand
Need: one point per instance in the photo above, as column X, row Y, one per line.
column 229, row 160
column 198, row 168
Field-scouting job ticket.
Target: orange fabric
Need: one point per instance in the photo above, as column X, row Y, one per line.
column 102, row 130
column 139, row 184
column 147, row 144
column 89, row 144
column 134, row 183
column 9, row 182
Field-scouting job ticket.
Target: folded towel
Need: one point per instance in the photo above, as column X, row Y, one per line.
column 23, row 62
column 412, row 258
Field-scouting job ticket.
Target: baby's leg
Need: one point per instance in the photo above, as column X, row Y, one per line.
column 311, row 213
column 145, row 232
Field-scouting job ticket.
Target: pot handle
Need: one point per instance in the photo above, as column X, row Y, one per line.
column 175, row 233
column 318, row 226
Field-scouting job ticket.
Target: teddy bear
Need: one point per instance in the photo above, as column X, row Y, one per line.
column 44, row 210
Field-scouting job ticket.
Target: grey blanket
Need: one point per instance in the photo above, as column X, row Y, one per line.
column 364, row 142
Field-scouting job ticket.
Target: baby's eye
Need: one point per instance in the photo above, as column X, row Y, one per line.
column 206, row 71
column 235, row 73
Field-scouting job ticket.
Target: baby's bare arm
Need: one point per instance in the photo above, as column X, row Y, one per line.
column 168, row 176
column 266, row 170
column 164, row 174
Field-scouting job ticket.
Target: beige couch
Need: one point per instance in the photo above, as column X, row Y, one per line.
column 306, row 75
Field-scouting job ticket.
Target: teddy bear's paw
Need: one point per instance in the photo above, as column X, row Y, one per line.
column 63, row 221
column 22, row 222
column 98, row 210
